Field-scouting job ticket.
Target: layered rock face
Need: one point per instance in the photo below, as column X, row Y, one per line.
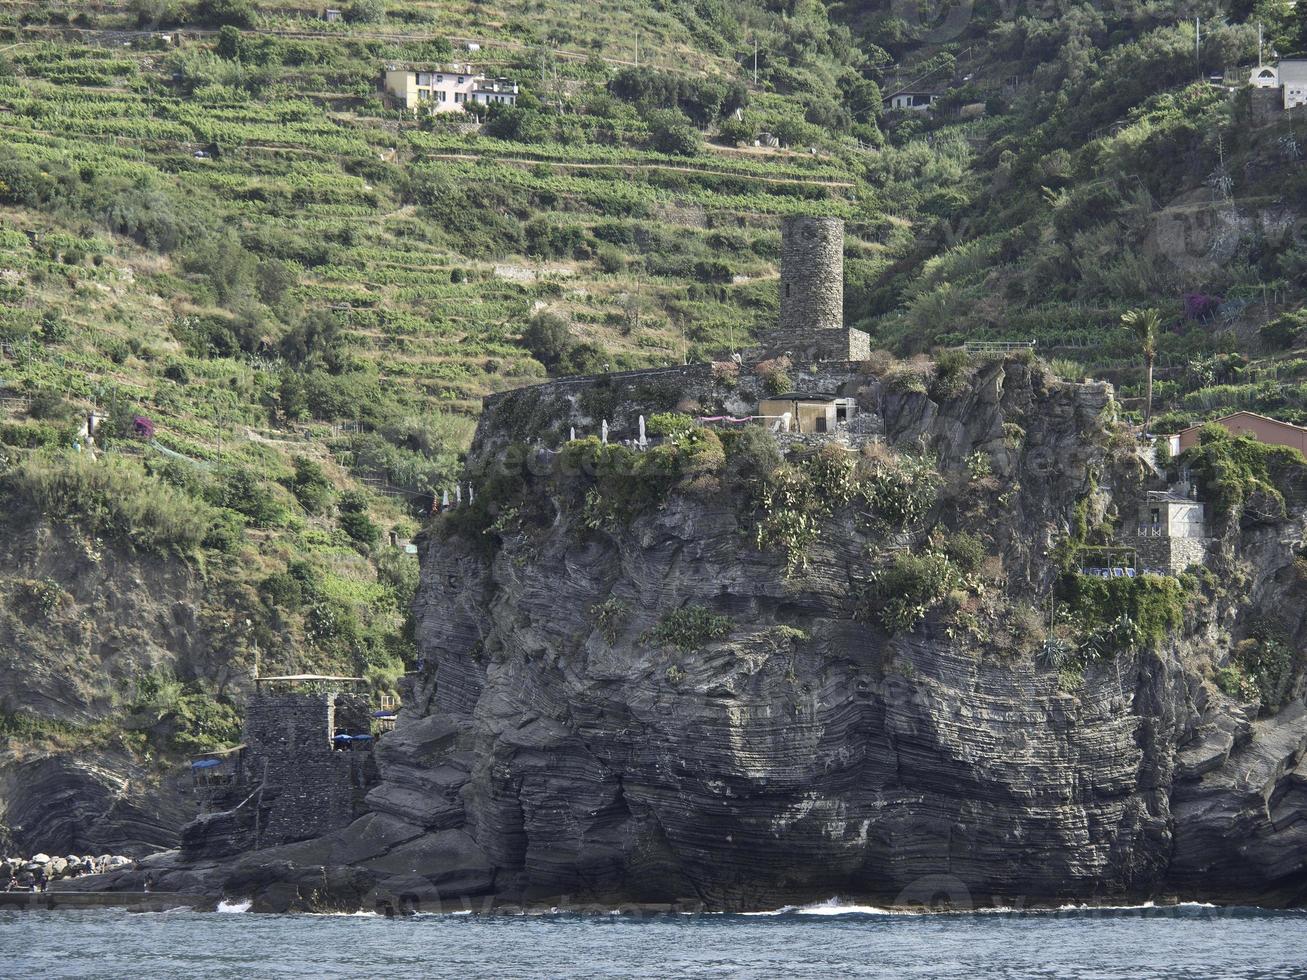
column 548, row 753
column 80, row 622
column 554, row 760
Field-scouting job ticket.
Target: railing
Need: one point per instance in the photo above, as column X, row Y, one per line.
column 997, row 346
column 1149, row 531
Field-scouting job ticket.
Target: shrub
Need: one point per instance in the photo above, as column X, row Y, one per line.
column 110, row 496
column 1286, row 330
column 1268, row 663
column 610, row 618
column 42, row 597
column 366, row 12
column 689, row 629
column 1241, row 476
column 238, row 13
column 354, row 518
column 904, row 592
column 670, row 132
column 775, row 375
column 670, row 424
column 249, row 496
column 1124, row 613
column 310, row 485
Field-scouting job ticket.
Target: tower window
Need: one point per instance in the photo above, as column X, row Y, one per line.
column 787, row 290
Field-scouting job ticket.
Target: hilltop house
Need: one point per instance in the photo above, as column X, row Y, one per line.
column 447, row 89
column 913, row 101
column 1260, row 427
column 1289, row 76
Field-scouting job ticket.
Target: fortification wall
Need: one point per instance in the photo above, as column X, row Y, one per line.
column 544, row 414
column 308, row 788
column 812, row 274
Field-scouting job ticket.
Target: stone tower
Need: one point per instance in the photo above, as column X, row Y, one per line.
column 812, row 274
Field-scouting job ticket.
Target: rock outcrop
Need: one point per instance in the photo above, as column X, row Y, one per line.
column 552, row 748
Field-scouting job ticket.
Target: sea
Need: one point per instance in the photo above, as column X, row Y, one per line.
column 830, row 939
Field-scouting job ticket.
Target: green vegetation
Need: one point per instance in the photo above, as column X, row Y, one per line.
column 1121, row 614
column 689, row 629
column 110, row 497
column 1243, row 477
column 610, row 617
column 1264, row 666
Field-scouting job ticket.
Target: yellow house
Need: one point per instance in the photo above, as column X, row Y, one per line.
column 809, row 412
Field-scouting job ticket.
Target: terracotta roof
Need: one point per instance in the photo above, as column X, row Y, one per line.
column 1245, row 414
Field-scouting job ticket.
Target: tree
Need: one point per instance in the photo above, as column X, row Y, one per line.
column 548, row 338
column 366, row 12
column 1145, row 325
column 238, row 13
column 670, row 132
column 229, row 43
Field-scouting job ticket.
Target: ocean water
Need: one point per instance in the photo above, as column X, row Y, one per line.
column 830, row 940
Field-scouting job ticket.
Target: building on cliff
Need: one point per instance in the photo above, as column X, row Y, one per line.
column 809, row 412
column 811, row 326
column 303, row 769
column 1170, row 533
column 1271, row 431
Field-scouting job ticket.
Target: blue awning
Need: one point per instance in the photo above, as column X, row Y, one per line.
column 363, row 738
column 205, row 763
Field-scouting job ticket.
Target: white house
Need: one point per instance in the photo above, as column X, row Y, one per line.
column 1290, row 77
column 1264, row 76
column 446, row 89
column 913, row 101
column 1293, row 82
column 502, row 91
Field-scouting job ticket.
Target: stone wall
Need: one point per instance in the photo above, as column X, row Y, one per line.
column 814, row 344
column 812, row 274
column 308, row 788
column 546, row 413
column 1169, row 554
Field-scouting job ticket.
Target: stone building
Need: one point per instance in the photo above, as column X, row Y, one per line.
column 1170, row 534
column 303, row 771
column 811, row 324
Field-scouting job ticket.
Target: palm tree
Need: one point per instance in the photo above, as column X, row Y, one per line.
column 1145, row 325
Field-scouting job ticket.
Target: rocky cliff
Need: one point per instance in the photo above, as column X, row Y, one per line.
column 82, row 620
column 680, row 687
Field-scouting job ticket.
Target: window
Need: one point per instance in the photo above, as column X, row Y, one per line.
column 787, row 290
column 841, row 413
column 461, row 79
column 440, row 95
column 821, row 423
column 1156, row 515
column 424, row 95
column 440, row 79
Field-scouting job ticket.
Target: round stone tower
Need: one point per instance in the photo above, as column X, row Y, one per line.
column 812, row 274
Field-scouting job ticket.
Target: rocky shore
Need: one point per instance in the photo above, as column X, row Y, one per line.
column 42, row 870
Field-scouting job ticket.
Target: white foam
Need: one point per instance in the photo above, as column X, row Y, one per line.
column 240, row 905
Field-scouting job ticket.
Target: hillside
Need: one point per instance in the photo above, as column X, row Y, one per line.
column 211, row 218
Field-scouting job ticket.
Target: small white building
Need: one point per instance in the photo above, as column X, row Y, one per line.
column 1289, row 76
column 913, row 101
column 447, row 89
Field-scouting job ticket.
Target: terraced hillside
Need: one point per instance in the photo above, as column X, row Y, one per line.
column 212, row 219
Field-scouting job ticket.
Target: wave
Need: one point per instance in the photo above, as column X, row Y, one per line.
column 240, row 905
